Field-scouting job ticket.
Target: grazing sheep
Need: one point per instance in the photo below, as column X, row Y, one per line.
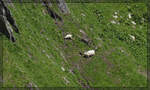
column 66, row 80
column 88, row 54
column 133, row 22
column 113, row 22
column 82, row 14
column 116, row 13
column 68, row 36
column 115, row 16
column 129, row 15
column 62, row 68
column 132, row 37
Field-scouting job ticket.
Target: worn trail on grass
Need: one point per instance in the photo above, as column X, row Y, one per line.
column 74, row 52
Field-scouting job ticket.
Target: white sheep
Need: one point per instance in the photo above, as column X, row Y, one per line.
column 113, row 22
column 115, row 16
column 68, row 36
column 116, row 13
column 133, row 22
column 62, row 68
column 66, row 80
column 132, row 37
column 129, row 15
column 82, row 14
column 89, row 53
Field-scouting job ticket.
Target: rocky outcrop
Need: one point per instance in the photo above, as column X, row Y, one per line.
column 5, row 21
column 85, row 38
column 53, row 14
column 63, row 6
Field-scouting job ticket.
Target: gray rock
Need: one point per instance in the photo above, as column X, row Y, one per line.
column 53, row 14
column 85, row 38
column 63, row 6
column 6, row 30
column 5, row 21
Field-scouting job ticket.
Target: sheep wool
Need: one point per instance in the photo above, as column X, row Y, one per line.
column 113, row 22
column 82, row 14
column 68, row 36
column 89, row 53
column 133, row 22
column 132, row 37
column 129, row 15
column 116, row 12
column 62, row 68
column 115, row 16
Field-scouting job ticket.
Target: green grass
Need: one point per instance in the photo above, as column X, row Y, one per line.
column 40, row 52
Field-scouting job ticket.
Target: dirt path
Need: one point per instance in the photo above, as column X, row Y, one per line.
column 74, row 49
column 108, row 62
column 79, row 63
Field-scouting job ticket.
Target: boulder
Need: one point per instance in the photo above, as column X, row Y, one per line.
column 63, row 6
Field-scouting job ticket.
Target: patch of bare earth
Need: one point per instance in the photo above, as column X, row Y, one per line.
column 75, row 64
column 108, row 62
column 110, row 65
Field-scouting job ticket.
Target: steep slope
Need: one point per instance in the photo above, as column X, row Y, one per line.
column 41, row 56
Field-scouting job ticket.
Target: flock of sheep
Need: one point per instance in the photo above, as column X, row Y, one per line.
column 64, row 9
column 86, row 40
column 86, row 53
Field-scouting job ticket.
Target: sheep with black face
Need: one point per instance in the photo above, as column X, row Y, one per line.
column 88, row 54
column 68, row 36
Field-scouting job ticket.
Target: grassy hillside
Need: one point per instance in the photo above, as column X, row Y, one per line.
column 40, row 52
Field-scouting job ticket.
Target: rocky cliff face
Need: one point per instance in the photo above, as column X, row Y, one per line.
column 6, row 17
column 5, row 21
column 63, row 6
